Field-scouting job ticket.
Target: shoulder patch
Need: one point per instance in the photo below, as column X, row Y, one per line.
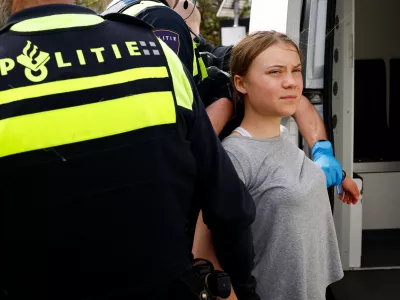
column 169, row 37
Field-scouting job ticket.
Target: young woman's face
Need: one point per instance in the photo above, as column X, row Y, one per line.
column 273, row 84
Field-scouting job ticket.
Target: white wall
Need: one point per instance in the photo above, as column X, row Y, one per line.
column 381, row 201
column 377, row 35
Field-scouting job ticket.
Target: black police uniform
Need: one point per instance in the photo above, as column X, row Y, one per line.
column 168, row 25
column 219, row 57
column 171, row 28
column 104, row 147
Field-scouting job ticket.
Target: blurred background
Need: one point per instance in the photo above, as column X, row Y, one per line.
column 210, row 27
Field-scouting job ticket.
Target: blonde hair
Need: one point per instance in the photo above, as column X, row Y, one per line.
column 249, row 48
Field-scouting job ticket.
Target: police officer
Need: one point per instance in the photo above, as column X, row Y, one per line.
column 168, row 25
column 172, row 29
column 104, row 147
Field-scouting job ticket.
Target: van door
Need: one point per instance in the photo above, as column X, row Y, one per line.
column 348, row 219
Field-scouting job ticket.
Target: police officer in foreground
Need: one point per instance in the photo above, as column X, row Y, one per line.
column 104, row 147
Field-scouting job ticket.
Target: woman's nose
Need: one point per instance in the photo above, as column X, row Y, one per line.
column 289, row 81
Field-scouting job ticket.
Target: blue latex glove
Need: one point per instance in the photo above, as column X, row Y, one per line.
column 322, row 153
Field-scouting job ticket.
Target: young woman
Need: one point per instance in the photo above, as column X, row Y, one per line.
column 296, row 250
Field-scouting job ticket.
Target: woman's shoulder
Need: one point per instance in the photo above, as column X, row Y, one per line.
column 236, row 144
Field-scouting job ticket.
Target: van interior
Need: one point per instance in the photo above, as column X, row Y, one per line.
column 377, row 128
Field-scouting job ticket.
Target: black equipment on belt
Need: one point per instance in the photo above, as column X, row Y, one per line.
column 201, row 282
column 218, row 283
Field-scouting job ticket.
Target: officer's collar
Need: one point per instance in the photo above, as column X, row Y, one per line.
column 46, row 10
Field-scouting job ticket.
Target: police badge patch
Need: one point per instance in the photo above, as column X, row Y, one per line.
column 169, row 37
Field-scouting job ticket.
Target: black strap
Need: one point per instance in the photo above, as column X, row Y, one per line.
column 117, row 17
column 7, row 26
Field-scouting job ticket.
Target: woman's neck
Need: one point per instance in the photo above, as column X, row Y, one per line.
column 260, row 126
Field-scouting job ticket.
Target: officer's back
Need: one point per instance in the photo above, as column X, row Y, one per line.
column 104, row 148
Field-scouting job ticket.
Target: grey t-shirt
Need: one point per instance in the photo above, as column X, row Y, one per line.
column 296, row 250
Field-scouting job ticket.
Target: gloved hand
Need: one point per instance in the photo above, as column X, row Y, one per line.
column 210, row 60
column 322, row 154
column 220, row 83
column 247, row 291
column 216, row 86
column 221, row 54
column 202, row 44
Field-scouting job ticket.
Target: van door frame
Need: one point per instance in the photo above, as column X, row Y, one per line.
column 348, row 219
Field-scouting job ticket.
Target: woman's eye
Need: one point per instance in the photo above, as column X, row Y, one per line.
column 297, row 70
column 275, row 72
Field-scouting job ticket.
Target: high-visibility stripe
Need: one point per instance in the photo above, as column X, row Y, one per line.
column 203, row 69
column 182, row 87
column 65, row 100
column 138, row 7
column 79, row 84
column 57, row 22
column 195, row 68
column 86, row 122
column 198, row 63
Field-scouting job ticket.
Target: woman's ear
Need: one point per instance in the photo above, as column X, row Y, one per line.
column 240, row 84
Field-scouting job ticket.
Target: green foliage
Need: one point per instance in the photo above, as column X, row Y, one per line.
column 210, row 24
column 245, row 13
column 210, row 27
column 97, row 5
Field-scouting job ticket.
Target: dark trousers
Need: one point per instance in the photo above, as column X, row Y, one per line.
column 329, row 294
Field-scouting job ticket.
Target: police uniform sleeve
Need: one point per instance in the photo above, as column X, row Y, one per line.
column 221, row 54
column 171, row 29
column 228, row 209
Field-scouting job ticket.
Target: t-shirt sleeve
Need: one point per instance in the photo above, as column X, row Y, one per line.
column 238, row 167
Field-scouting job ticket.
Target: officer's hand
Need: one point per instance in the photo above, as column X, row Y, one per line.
column 210, row 60
column 220, row 83
column 202, row 44
column 322, row 154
